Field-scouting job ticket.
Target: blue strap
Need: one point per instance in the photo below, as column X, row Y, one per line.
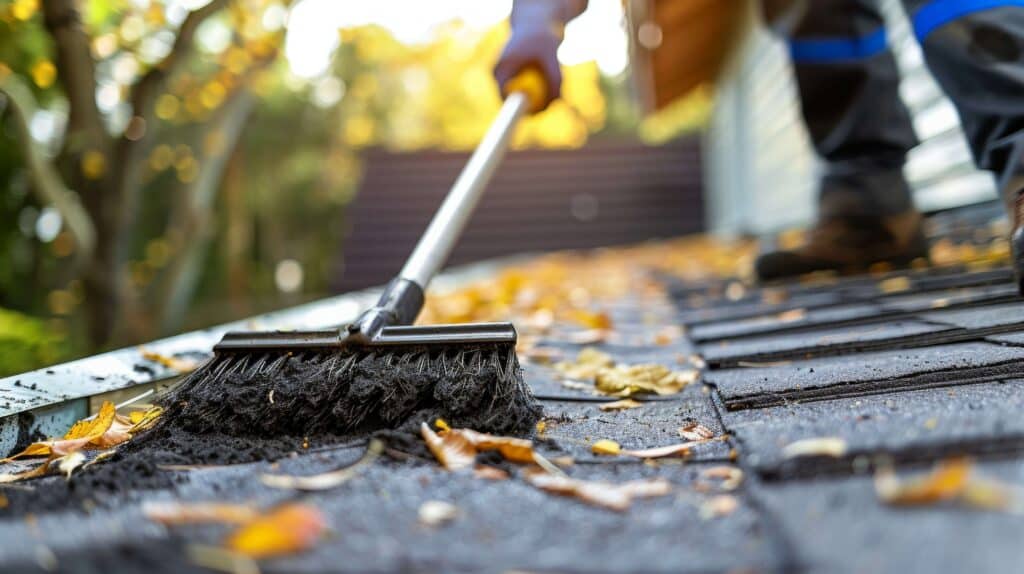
column 828, row 50
column 938, row 12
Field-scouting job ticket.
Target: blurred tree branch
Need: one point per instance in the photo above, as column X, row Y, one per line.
column 46, row 181
column 77, row 72
column 191, row 223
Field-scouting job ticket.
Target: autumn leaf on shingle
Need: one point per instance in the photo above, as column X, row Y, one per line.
column 456, row 449
column 104, row 430
column 604, row 494
column 590, row 319
column 681, row 449
column 829, row 446
column 175, row 513
column 947, row 482
column 627, row 380
column 606, row 446
column 695, row 431
column 288, row 529
column 589, row 361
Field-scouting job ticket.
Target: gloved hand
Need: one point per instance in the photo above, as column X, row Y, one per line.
column 536, row 34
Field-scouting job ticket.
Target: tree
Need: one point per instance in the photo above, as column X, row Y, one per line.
column 107, row 156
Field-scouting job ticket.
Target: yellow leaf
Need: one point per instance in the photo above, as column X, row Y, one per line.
column 286, row 530
column 39, row 470
column 104, row 430
column 180, row 365
column 948, row 481
column 95, row 427
column 627, row 380
column 590, row 319
column 894, row 285
column 605, row 446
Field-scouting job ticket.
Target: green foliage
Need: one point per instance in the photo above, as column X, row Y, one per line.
column 27, row 343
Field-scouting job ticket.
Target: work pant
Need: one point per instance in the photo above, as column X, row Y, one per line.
column 848, row 83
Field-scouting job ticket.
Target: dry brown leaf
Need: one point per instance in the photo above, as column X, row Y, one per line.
column 69, row 462
column 606, row 446
column 695, row 431
column 456, row 449
column 326, row 480
column 604, row 494
column 453, row 451
column 791, row 315
column 288, row 529
column 627, row 380
column 681, row 449
column 721, row 505
column 437, row 512
column 948, row 481
column 621, row 405
column 834, row 447
column 730, row 476
column 174, row 513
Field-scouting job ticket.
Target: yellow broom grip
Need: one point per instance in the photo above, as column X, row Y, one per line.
column 531, row 82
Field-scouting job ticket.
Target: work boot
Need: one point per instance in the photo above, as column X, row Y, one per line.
column 1011, row 187
column 865, row 216
column 848, row 245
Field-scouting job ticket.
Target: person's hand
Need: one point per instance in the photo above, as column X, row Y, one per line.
column 533, row 44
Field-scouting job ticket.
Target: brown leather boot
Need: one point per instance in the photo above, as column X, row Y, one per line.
column 850, row 244
column 1017, row 238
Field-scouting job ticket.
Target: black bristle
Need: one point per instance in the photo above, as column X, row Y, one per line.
column 355, row 389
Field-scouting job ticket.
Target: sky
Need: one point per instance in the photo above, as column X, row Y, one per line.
column 598, row 34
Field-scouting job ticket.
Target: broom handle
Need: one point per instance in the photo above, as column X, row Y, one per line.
column 438, row 240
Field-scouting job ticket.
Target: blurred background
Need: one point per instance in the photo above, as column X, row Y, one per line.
column 172, row 164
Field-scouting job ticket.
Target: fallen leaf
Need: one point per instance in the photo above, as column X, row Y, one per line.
column 604, row 494
column 626, row 380
column 326, row 480
column 174, row 513
column 452, row 450
column 173, row 363
column 437, row 512
column 39, row 470
column 590, row 319
column 142, row 420
column 791, row 315
column 948, row 481
column 721, row 505
column 666, row 335
column 587, row 337
column 620, row 405
column 834, row 447
column 288, row 529
column 456, row 449
column 605, row 446
column 104, row 430
column 681, row 449
column 69, row 462
column 695, row 431
column 730, row 476
column 894, row 285
column 489, row 472
column 586, row 365
column 543, row 355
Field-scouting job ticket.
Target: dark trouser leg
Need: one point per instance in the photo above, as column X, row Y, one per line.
column 975, row 49
column 849, row 93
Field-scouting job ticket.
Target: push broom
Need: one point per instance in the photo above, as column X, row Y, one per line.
column 380, row 371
